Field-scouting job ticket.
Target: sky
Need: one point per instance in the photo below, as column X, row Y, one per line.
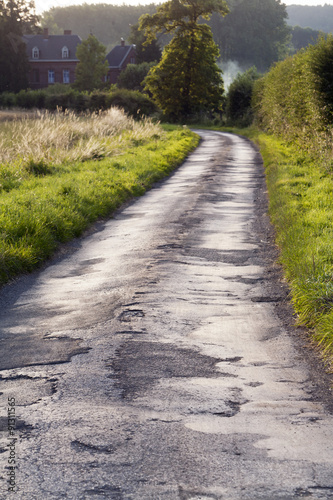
column 42, row 5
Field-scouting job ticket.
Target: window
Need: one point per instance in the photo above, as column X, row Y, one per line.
column 51, row 76
column 132, row 60
column 35, row 53
column 65, row 76
column 65, row 52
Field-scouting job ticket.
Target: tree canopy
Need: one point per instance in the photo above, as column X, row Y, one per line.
column 187, row 80
column 92, row 66
column 176, row 14
column 17, row 18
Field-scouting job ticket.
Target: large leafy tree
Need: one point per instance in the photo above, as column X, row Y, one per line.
column 17, row 18
column 187, row 80
column 92, row 66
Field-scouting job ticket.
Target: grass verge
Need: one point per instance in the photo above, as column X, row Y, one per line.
column 44, row 203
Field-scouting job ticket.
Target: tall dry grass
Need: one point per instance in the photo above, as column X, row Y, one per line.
column 61, row 137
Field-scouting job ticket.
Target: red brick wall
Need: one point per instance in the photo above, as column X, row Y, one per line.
column 43, row 67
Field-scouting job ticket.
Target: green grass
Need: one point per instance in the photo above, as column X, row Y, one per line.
column 48, row 201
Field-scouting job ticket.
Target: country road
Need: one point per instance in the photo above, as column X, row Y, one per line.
column 156, row 357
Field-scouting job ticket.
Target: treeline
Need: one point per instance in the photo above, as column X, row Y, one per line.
column 295, row 99
column 109, row 23
column 254, row 32
column 318, row 17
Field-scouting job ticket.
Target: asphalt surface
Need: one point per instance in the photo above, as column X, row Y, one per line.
column 155, row 358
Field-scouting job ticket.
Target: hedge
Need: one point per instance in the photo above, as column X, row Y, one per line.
column 295, row 99
column 134, row 103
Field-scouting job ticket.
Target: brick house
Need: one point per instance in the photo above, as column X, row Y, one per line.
column 118, row 58
column 52, row 58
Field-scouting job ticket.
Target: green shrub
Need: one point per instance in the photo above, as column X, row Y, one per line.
column 98, row 101
column 295, row 99
column 132, row 102
column 132, row 77
column 81, row 102
column 238, row 104
column 7, row 100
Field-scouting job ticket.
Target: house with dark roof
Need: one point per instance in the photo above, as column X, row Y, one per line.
column 52, row 58
column 118, row 58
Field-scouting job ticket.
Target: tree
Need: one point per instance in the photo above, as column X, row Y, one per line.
column 187, row 80
column 92, row 66
column 17, row 18
column 144, row 53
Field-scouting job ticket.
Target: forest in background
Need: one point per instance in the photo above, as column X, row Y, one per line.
column 318, row 17
column 254, row 33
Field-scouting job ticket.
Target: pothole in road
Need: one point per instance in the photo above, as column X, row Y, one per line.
column 192, row 495
column 131, row 314
column 132, row 332
column 140, row 365
column 170, row 246
column 81, row 447
column 233, row 409
column 232, row 360
column 106, row 491
column 28, row 390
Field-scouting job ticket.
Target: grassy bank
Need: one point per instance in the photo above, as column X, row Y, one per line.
column 59, row 173
column 300, row 190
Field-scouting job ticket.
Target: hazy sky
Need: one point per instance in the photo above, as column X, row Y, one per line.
column 42, row 5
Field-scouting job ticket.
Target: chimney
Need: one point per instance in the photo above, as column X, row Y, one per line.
column 122, row 42
column 67, row 32
column 46, row 33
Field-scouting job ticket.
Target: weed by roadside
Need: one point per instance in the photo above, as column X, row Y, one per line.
column 57, row 138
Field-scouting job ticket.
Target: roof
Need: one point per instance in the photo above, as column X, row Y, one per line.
column 50, row 48
column 118, row 54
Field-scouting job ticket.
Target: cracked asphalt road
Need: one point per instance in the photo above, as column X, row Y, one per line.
column 156, row 358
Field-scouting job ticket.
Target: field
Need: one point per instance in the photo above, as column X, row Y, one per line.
column 61, row 172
